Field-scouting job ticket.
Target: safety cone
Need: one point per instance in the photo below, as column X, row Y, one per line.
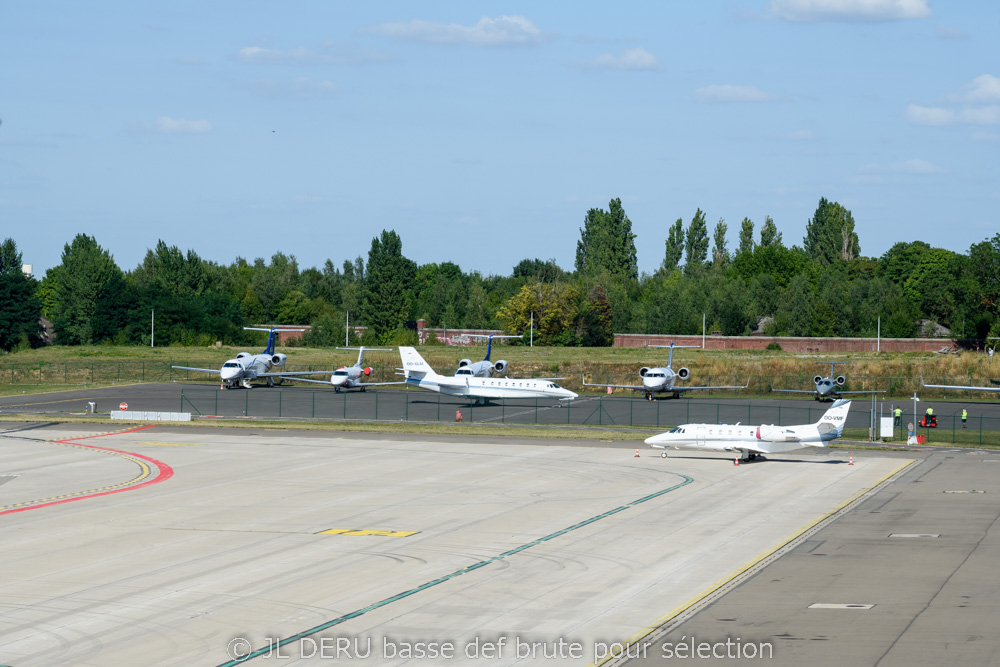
column 636, row 453
column 736, row 461
column 850, row 460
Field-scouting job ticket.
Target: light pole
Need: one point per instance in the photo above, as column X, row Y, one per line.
column 915, row 400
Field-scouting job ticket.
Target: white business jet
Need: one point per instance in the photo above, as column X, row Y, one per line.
column 957, row 386
column 418, row 373
column 350, row 377
column 247, row 367
column 656, row 380
column 829, row 386
column 750, row 441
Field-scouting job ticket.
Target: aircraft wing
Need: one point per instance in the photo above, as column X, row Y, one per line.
column 203, row 370
column 290, row 374
column 865, row 391
column 614, row 386
column 378, row 384
column 676, row 388
column 293, row 379
column 796, row 391
column 955, row 386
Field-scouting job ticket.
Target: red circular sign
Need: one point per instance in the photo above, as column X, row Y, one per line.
column 123, row 406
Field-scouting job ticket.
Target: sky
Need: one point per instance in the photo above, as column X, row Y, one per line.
column 483, row 132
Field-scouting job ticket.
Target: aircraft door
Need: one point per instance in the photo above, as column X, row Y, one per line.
column 700, row 436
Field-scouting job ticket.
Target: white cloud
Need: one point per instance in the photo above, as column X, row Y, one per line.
column 981, row 115
column 727, row 93
column 985, row 136
column 502, row 31
column 256, row 54
column 805, row 11
column 800, row 135
column 632, row 59
column 947, row 32
column 915, row 166
column 300, row 88
column 167, row 125
column 920, row 115
column 984, row 88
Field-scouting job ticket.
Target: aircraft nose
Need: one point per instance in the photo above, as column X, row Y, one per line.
column 337, row 380
column 229, row 373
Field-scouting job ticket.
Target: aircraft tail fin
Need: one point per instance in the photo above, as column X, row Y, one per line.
column 670, row 357
column 831, row 424
column 489, row 346
column 270, row 342
column 413, row 364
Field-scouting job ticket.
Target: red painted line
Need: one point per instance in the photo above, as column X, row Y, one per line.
column 164, row 471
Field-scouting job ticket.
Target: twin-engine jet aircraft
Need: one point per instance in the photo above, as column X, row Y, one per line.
column 829, row 387
column 418, row 373
column 350, row 377
column 751, row 441
column 657, row 380
column 247, row 367
column 484, row 368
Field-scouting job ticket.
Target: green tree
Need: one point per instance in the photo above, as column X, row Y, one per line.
column 607, row 244
column 696, row 248
column 20, row 308
column 720, row 256
column 830, row 235
column 551, row 305
column 388, row 286
column 675, row 247
column 596, row 320
column 84, row 275
column 984, row 264
column 769, row 234
column 746, row 237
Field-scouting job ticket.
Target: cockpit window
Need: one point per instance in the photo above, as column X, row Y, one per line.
column 230, row 364
column 464, row 371
column 340, row 372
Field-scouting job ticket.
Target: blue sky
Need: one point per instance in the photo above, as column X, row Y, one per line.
column 482, row 132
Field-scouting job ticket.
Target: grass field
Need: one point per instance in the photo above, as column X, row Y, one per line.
column 899, row 374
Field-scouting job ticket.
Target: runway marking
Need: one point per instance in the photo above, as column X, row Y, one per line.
column 358, row 531
column 677, row 611
column 163, row 473
column 448, row 577
column 169, row 444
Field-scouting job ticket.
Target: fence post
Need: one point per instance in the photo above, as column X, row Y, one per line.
column 953, row 429
column 91, row 372
column 216, row 400
column 182, row 401
column 314, row 405
column 406, row 397
column 345, row 403
column 503, row 410
column 980, row 429
column 600, row 411
column 279, row 403
column 246, row 402
column 536, row 408
column 143, row 370
column 630, row 412
column 718, row 407
column 657, row 414
column 65, row 372
column 376, row 405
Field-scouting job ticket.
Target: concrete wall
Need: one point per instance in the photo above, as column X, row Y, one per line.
column 801, row 345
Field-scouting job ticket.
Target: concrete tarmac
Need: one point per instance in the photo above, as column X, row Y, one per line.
column 906, row 578
column 281, row 543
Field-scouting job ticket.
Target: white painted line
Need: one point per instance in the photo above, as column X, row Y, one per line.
column 914, row 535
column 972, row 491
column 823, row 605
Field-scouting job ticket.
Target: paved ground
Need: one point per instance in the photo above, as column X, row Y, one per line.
column 417, row 405
column 230, row 538
column 922, row 553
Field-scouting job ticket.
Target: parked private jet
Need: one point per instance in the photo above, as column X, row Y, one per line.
column 350, row 377
column 484, row 368
column 829, row 387
column 656, row 380
column 751, row 441
column 247, row 367
column 418, row 373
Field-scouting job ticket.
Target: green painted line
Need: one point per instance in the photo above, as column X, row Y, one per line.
column 448, row 577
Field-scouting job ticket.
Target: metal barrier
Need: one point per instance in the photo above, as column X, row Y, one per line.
column 415, row 405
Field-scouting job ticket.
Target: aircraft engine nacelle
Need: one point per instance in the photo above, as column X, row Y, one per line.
column 683, row 373
column 643, row 371
column 278, row 359
column 367, row 370
column 243, row 355
column 500, row 366
column 774, row 434
column 840, row 380
column 817, row 379
column 464, row 362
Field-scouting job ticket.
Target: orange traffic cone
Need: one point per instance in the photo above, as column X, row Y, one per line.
column 636, row 453
column 850, row 460
column 736, row 461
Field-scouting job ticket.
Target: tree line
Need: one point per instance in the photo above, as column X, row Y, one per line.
column 825, row 287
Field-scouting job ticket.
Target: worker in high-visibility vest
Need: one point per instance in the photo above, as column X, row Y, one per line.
column 930, row 412
column 965, row 415
column 899, row 416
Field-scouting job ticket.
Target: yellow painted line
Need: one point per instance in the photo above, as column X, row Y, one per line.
column 649, row 629
column 169, row 444
column 378, row 533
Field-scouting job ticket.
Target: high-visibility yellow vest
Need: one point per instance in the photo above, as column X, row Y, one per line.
column 965, row 413
column 930, row 411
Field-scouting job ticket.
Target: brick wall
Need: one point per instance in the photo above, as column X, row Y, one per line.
column 789, row 344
